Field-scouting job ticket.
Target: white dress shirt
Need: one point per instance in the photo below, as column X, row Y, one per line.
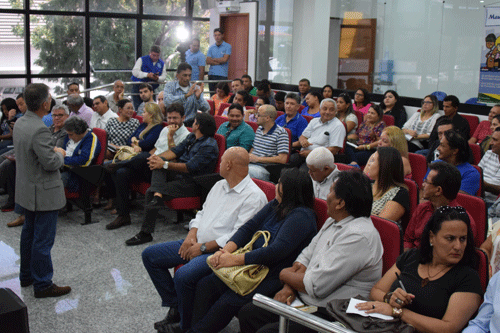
column 322, row 189
column 161, row 144
column 100, row 121
column 226, row 209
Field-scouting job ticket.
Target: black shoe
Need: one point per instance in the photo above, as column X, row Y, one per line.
column 169, row 328
column 26, row 283
column 173, row 316
column 8, row 207
column 139, row 239
column 111, row 167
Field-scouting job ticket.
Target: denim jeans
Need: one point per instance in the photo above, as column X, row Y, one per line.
column 177, row 291
column 37, row 239
column 258, row 171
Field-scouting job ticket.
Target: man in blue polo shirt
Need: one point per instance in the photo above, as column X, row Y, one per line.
column 196, row 59
column 218, row 58
column 292, row 118
column 149, row 68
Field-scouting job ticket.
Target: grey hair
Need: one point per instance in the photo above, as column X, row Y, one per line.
column 60, row 107
column 320, row 157
column 293, row 96
column 328, row 100
column 75, row 100
column 76, row 125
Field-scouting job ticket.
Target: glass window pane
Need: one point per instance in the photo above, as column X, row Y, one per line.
column 13, row 4
column 12, row 45
column 10, row 88
column 165, row 7
column 59, row 86
column 75, row 5
column 113, row 6
column 59, row 43
column 198, row 11
column 112, row 47
column 201, row 30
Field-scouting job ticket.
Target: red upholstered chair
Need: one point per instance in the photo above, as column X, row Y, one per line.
column 476, row 207
column 212, row 106
column 413, row 192
column 360, row 116
column 476, row 153
column 91, row 177
column 219, row 120
column 139, row 118
column 308, row 118
column 391, row 236
column 473, row 122
column 188, row 203
column 253, row 125
column 388, row 119
column 301, row 107
column 134, row 114
column 321, row 209
column 344, row 167
column 250, row 107
column 268, row 188
column 483, row 268
column 418, row 165
column 279, row 113
column 222, row 107
column 255, row 98
column 479, row 192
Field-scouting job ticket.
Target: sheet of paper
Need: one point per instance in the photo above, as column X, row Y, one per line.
column 351, row 144
column 408, row 137
column 297, row 303
column 351, row 309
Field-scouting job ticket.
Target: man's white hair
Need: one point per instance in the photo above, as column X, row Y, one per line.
column 320, row 157
column 325, row 100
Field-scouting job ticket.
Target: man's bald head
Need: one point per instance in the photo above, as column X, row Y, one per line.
column 234, row 165
column 238, row 155
column 269, row 110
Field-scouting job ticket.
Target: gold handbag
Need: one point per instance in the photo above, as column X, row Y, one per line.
column 245, row 278
column 124, row 153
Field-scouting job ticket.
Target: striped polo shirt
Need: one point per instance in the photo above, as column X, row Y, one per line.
column 274, row 142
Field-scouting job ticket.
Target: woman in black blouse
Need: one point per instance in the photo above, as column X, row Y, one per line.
column 393, row 106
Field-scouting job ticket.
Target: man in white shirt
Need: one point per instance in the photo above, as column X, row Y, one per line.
column 322, row 170
column 490, row 163
column 116, row 95
column 231, row 203
column 101, row 113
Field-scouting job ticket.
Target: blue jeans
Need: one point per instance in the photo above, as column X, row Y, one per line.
column 177, row 291
column 424, row 152
column 37, row 239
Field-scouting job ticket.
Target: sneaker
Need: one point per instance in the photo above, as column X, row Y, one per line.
column 52, row 291
column 139, row 239
column 173, row 316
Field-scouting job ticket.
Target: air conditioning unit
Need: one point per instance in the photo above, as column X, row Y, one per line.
column 228, row 6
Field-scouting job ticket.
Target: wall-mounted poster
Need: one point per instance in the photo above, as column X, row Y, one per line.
column 489, row 78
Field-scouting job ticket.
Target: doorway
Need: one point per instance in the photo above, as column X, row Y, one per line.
column 236, row 30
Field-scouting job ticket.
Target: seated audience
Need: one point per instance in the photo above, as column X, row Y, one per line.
column 313, row 101
column 367, row 135
column 236, row 131
column 251, row 114
column 421, row 124
column 346, row 114
column 343, row 260
column 116, row 95
column 121, row 128
column 486, row 143
column 440, row 188
column 146, row 93
column 393, row 105
column 242, row 98
column 323, row 171
column 221, row 94
column 362, row 101
column 292, row 210
column 455, row 151
column 490, row 163
column 327, row 91
column 443, row 125
column 230, row 203
column 391, row 199
column 78, row 108
column 175, row 170
column 264, row 90
column 279, row 98
column 271, row 144
column 393, row 136
column 441, row 287
column 487, row 319
column 304, row 88
column 145, row 136
column 7, row 122
column 247, row 85
column 136, row 168
column 483, row 130
column 460, row 124
column 102, row 114
column 292, row 118
column 491, row 244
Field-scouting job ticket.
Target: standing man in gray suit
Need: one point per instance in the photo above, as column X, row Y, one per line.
column 39, row 190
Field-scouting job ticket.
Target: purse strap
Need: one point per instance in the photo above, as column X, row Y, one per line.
column 266, row 234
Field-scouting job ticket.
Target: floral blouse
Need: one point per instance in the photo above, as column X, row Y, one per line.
column 367, row 135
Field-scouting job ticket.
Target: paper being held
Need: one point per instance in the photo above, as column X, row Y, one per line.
column 352, row 309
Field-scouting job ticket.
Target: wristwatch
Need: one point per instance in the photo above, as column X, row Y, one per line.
column 397, row 312
column 203, row 248
column 165, row 165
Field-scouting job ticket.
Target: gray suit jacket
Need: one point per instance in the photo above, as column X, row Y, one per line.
column 38, row 182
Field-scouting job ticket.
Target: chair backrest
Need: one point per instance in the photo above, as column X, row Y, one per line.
column 219, row 120
column 222, row 106
column 476, row 153
column 253, row 125
column 418, row 165
column 476, row 207
column 321, row 209
column 359, row 115
column 473, row 122
column 268, row 188
column 255, row 98
column 344, row 167
column 221, row 143
column 479, row 192
column 212, row 106
column 308, row 118
column 483, row 268
column 413, row 192
column 279, row 113
column 391, row 236
column 388, row 119
column 103, row 140
column 139, row 118
column 301, row 107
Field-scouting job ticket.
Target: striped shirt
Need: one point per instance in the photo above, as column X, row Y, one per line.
column 273, row 143
column 491, row 172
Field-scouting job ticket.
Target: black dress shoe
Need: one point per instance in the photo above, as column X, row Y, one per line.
column 139, row 239
column 173, row 316
column 52, row 291
column 120, row 221
column 26, row 283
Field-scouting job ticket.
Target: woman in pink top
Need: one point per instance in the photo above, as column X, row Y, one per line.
column 483, row 130
column 361, row 101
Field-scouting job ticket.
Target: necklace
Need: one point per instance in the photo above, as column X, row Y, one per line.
column 426, row 280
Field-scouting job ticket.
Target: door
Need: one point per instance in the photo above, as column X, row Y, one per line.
column 235, row 28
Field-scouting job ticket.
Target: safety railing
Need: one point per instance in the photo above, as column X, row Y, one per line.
column 288, row 313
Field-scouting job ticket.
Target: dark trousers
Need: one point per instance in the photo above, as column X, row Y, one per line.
column 37, row 239
column 359, row 156
column 213, row 86
column 9, row 172
column 254, row 319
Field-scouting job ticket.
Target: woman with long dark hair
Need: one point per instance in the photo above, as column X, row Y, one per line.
column 393, row 106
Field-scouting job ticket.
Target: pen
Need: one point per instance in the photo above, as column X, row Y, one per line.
column 400, row 282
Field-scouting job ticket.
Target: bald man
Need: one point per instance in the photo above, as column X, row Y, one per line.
column 231, row 202
column 116, row 95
